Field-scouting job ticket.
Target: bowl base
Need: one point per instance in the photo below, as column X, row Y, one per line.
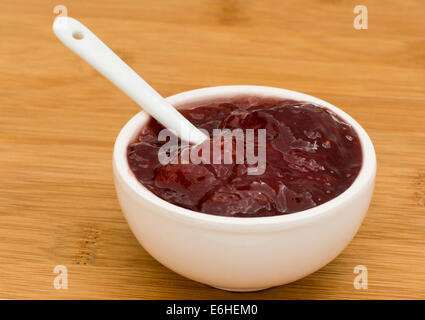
column 242, row 290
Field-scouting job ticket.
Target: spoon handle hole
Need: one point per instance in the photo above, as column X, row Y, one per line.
column 77, row 35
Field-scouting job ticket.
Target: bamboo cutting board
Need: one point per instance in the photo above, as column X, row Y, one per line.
column 59, row 120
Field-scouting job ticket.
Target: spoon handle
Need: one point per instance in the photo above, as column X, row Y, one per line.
column 90, row 48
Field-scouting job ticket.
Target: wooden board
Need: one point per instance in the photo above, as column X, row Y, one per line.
column 59, row 120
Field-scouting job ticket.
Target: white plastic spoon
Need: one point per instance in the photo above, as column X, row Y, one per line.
column 90, row 48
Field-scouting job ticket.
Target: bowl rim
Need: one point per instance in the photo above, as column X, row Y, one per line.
column 131, row 129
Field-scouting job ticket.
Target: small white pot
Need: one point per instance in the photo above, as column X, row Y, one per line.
column 242, row 254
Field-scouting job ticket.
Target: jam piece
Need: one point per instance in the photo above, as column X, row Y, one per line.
column 312, row 156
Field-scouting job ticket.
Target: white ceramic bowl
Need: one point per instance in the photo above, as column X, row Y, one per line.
column 242, row 254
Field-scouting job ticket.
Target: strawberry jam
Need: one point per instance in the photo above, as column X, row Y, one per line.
column 312, row 156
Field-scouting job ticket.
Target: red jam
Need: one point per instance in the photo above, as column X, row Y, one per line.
column 312, row 156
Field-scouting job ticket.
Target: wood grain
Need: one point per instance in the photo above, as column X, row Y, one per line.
column 59, row 120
